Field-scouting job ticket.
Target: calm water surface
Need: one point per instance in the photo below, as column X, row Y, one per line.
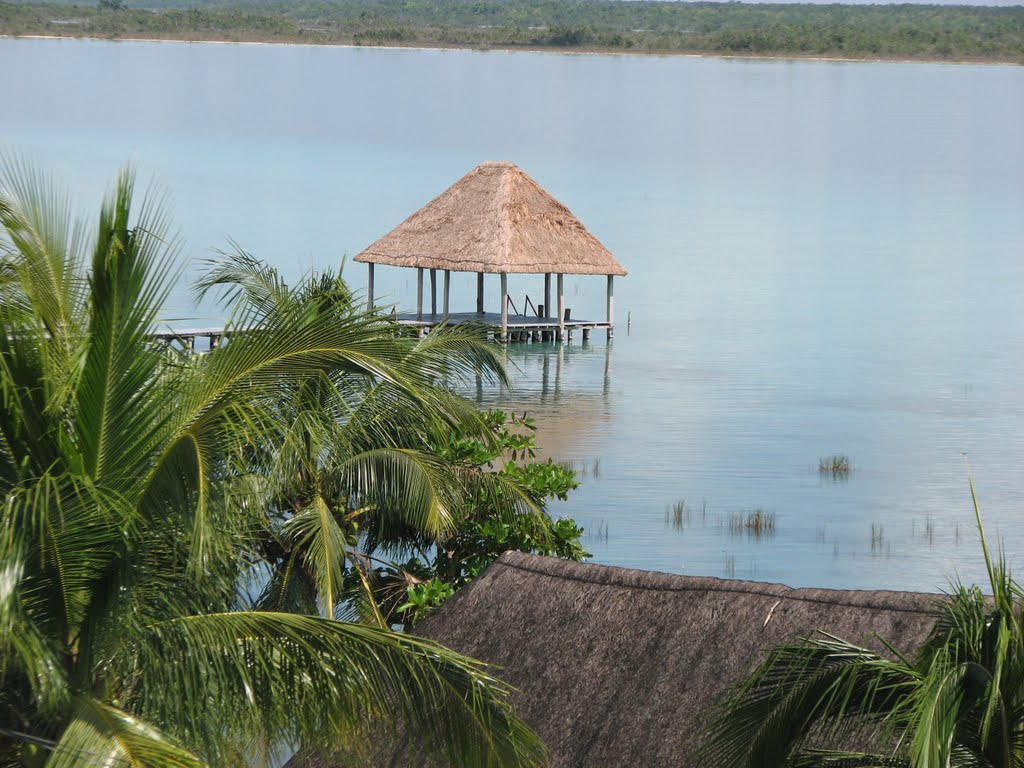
column 824, row 258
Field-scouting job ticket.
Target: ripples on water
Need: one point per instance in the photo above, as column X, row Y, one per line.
column 646, row 437
column 825, row 258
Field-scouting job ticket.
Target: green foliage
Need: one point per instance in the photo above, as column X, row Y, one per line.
column 855, row 31
column 146, row 488
column 542, row 479
column 484, row 531
column 362, row 468
column 424, row 597
column 480, row 543
column 957, row 702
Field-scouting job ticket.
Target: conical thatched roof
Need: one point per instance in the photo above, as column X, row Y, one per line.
column 494, row 219
column 621, row 667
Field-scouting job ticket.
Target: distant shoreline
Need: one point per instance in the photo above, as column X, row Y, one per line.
column 579, row 51
column 957, row 34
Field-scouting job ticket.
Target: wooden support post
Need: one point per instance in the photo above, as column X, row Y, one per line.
column 547, row 293
column 447, row 285
column 479, row 293
column 611, row 303
column 561, row 309
column 369, row 287
column 504, row 307
column 433, row 293
column 214, row 341
column 607, row 369
column 419, row 293
column 586, row 336
column 559, row 364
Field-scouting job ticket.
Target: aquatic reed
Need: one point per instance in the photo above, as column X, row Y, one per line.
column 837, row 465
column 678, row 514
column 755, row 522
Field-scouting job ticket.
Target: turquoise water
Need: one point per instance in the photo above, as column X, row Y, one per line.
column 824, row 258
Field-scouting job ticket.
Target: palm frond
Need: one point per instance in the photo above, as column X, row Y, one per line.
column 67, row 530
column 28, row 418
column 289, row 587
column 32, row 679
column 317, row 534
column 406, row 489
column 456, row 354
column 936, row 716
column 45, row 246
column 248, row 286
column 128, row 282
column 319, row 682
column 822, row 758
column 99, row 734
column 822, row 680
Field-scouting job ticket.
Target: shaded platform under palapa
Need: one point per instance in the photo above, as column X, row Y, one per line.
column 516, row 327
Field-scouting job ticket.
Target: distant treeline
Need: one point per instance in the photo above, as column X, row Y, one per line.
column 854, row 31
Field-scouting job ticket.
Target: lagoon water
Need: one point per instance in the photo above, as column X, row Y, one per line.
column 824, row 257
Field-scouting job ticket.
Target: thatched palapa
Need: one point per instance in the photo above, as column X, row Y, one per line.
column 498, row 220
column 495, row 219
column 621, row 667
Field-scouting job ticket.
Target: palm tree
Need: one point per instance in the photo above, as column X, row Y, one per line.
column 958, row 701
column 354, row 470
column 133, row 518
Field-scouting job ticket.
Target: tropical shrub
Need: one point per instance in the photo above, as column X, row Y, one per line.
column 363, row 474
column 482, row 533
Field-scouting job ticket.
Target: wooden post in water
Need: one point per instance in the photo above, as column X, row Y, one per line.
column 561, row 308
column 447, row 285
column 607, row 370
column 479, row 293
column 544, row 378
column 504, row 307
column 433, row 293
column 559, row 364
column 369, row 286
column 419, row 293
column 611, row 303
column 547, row 294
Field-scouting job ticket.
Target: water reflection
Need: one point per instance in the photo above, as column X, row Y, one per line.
column 689, row 472
column 823, row 257
column 566, row 388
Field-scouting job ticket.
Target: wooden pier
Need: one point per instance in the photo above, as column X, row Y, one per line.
column 519, row 328
column 186, row 337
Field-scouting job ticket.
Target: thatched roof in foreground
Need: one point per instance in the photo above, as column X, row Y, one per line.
column 494, row 219
column 620, row 667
